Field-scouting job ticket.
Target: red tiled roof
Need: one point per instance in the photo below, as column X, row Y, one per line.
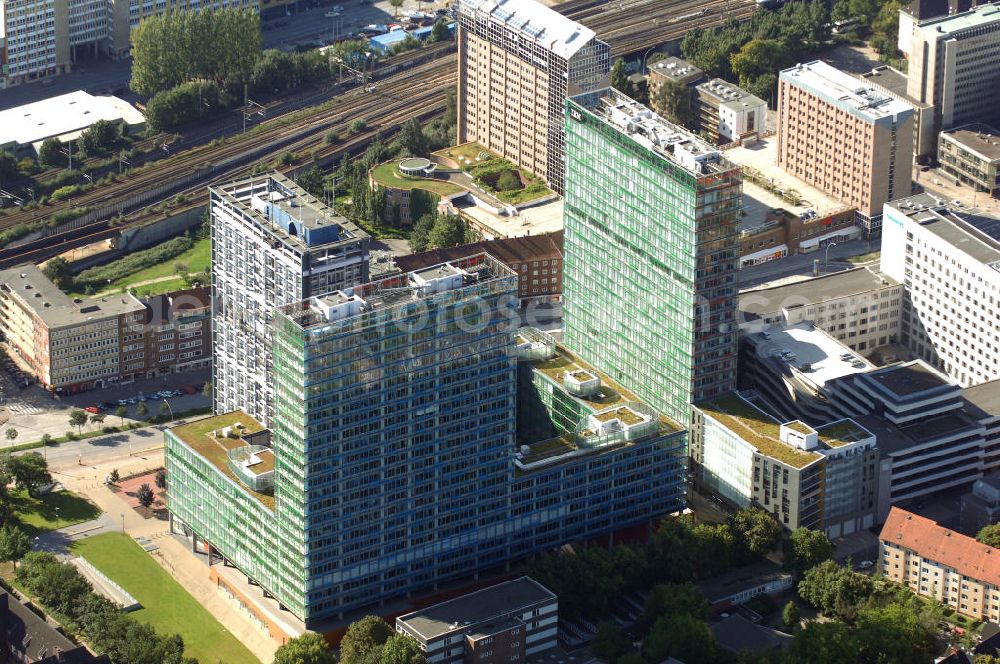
column 929, row 540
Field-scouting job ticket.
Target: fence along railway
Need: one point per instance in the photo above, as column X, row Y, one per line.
column 411, row 85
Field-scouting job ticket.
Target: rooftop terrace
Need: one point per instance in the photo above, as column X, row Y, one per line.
column 845, row 91
column 200, row 436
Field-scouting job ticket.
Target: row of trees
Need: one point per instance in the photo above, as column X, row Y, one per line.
column 177, row 46
column 677, row 552
column 370, row 640
column 754, row 51
column 63, row 590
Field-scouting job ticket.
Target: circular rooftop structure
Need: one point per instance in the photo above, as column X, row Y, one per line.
column 416, row 166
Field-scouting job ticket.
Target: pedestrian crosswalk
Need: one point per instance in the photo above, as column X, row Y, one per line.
column 21, row 408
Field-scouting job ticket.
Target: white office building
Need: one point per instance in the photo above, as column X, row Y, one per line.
column 272, row 244
column 950, row 270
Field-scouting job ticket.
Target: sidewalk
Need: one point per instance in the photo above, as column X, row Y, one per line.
column 179, row 561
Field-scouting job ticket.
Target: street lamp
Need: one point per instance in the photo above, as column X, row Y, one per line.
column 826, row 258
column 123, row 522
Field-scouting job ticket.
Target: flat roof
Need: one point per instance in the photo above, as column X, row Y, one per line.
column 813, row 290
column 729, row 95
column 944, row 27
column 476, row 608
column 909, row 379
column 198, row 436
column 892, row 80
column 676, row 69
column 660, row 136
column 891, row 438
column 985, row 397
column 980, row 240
column 61, row 115
column 543, row 25
column 814, row 347
column 523, row 249
column 298, row 204
column 845, row 91
column 978, row 138
column 55, row 308
column 748, row 576
column 398, row 289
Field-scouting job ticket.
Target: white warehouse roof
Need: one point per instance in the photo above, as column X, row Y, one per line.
column 62, row 116
column 561, row 35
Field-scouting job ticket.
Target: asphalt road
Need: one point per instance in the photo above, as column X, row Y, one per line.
column 802, row 264
column 104, row 449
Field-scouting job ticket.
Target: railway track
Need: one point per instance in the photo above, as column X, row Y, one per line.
column 629, row 26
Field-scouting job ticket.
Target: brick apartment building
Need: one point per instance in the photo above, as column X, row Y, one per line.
column 792, row 234
column 537, row 259
column 71, row 345
column 845, row 138
column 942, row 564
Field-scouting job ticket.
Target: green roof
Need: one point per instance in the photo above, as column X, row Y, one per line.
column 841, row 433
column 198, row 436
column 388, row 175
column 757, row 428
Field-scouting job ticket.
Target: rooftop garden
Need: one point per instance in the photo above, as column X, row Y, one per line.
column 201, row 437
column 841, row 433
column 800, row 427
column 388, row 175
column 497, row 175
column 627, row 416
column 757, row 428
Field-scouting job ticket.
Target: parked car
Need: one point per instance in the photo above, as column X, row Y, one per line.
column 189, row 389
column 94, row 410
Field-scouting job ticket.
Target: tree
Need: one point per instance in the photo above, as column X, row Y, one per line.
column 440, row 31
column 206, row 389
column 310, row 648
column 823, row 643
column 142, row 410
column 673, row 101
column 10, row 434
column 78, row 418
column 631, row 658
column 790, row 615
column 412, row 139
column 99, row 138
column 668, row 599
column 448, row 231
column 757, row 58
column 610, row 642
column 716, row 548
column 46, row 440
column 97, row 418
column 835, row 590
column 990, row 535
column 807, row 548
column 357, row 126
column 114, row 476
column 401, row 649
column 396, row 4
column 14, row 544
column 30, row 472
column 756, row 530
column 895, row 633
column 8, row 167
column 161, row 479
column 59, row 272
column 681, row 636
column 509, row 181
column 164, row 409
column 619, row 77
column 420, row 235
column 144, row 494
column 121, row 412
column 362, row 637
column 50, row 153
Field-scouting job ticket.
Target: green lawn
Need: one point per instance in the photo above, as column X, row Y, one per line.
column 166, row 605
column 52, row 511
column 388, row 175
column 864, row 258
column 198, row 258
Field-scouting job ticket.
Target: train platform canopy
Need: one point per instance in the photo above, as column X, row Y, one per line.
column 24, row 128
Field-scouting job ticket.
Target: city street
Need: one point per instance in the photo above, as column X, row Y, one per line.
column 34, row 411
column 758, row 275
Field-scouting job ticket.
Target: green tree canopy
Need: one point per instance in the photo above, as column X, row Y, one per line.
column 14, row 544
column 448, row 231
column 59, row 271
column 990, row 535
column 99, row 138
column 610, row 642
column 619, row 77
column 835, row 590
column 807, row 548
column 673, row 101
column 681, row 636
column 790, row 615
column 823, row 643
column 401, row 649
column 310, row 648
column 756, row 530
column 669, row 599
column 411, row 138
column 420, row 235
column 49, row 154
column 30, row 471
column 362, row 637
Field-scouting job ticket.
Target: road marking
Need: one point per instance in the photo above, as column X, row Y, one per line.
column 21, row 408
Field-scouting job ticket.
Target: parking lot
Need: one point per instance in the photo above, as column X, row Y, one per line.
column 33, row 411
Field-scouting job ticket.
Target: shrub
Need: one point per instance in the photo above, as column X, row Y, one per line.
column 331, row 137
column 62, row 193
column 508, row 181
column 357, row 126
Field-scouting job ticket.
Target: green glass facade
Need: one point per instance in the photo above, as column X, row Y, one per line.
column 650, row 253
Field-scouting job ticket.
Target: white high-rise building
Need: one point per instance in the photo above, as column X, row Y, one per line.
column 950, row 271
column 272, row 244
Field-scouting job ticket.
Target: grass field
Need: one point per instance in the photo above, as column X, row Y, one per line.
column 388, row 174
column 52, row 511
column 166, row 605
column 197, row 259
